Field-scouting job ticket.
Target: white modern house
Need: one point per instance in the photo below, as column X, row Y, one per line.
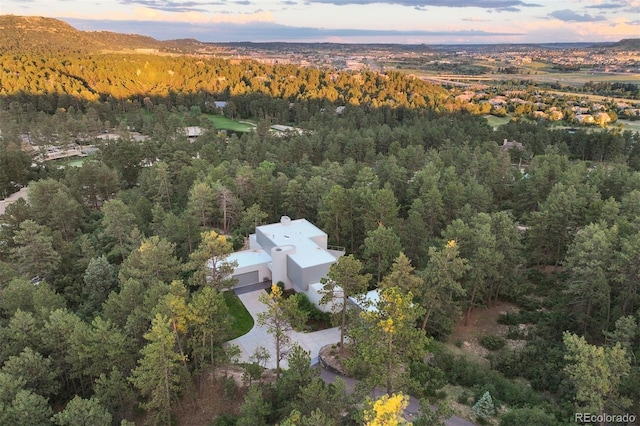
column 292, row 251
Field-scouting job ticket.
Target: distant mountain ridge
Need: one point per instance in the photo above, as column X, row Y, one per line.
column 28, row 33
column 628, row 43
column 33, row 33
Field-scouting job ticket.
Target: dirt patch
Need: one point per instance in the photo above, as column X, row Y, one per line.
column 483, row 321
column 221, row 392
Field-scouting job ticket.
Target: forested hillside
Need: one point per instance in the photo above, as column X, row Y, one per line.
column 105, row 305
column 46, row 36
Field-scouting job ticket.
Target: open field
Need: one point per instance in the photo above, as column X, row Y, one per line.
column 70, row 162
column 497, row 121
column 224, row 123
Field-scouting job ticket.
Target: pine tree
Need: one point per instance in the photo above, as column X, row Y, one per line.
column 158, row 373
column 280, row 318
column 484, row 407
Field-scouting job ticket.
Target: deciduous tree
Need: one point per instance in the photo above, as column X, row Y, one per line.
column 385, row 339
column 209, row 261
column 387, row 411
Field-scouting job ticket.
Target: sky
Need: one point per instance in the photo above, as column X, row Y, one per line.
column 350, row 21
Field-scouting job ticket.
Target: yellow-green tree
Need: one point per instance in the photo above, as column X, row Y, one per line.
column 596, row 373
column 385, row 339
column 209, row 261
column 387, row 411
column 209, row 323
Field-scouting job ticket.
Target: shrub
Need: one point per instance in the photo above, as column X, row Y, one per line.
column 528, row 303
column 426, row 379
column 509, row 318
column 225, row 420
column 307, row 306
column 465, row 373
column 463, row 398
column 527, row 416
column 493, row 342
column 229, row 388
column 507, row 362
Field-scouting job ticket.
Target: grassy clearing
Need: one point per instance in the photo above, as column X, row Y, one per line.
column 497, row 121
column 69, row 162
column 224, row 123
column 241, row 321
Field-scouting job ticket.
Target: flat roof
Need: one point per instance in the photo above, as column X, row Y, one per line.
column 297, row 231
column 249, row 258
column 309, row 254
column 367, row 301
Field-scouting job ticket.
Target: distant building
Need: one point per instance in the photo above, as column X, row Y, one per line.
column 193, row 132
column 584, row 118
column 292, row 251
column 286, row 129
column 507, row 145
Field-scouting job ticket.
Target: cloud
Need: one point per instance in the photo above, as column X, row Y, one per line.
column 568, row 15
column 605, row 6
column 266, row 31
column 629, row 6
column 174, row 6
column 475, row 19
column 501, row 5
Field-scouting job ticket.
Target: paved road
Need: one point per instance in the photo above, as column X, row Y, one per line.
column 11, row 198
column 412, row 409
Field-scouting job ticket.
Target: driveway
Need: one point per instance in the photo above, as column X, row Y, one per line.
column 11, row 198
column 258, row 336
column 311, row 342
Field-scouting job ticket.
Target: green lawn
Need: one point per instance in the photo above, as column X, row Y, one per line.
column 224, row 123
column 497, row 121
column 242, row 321
column 69, row 162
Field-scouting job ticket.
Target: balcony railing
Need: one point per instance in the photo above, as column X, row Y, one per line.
column 335, row 248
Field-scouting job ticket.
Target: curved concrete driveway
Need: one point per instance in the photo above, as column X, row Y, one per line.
column 311, row 342
column 258, row 336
